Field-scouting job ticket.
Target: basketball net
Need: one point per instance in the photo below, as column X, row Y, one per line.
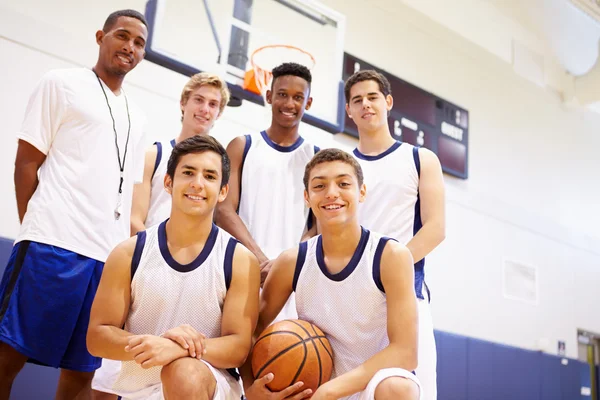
column 264, row 59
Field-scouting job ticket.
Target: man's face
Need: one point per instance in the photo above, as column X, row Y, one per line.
column 202, row 109
column 196, row 184
column 123, row 46
column 289, row 98
column 333, row 193
column 368, row 107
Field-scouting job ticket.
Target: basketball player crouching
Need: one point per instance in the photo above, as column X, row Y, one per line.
column 178, row 303
column 356, row 285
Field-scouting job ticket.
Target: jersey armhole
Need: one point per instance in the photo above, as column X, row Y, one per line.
column 377, row 262
column 158, row 157
column 417, row 160
column 228, row 262
column 137, row 252
column 299, row 263
column 309, row 219
column 246, row 149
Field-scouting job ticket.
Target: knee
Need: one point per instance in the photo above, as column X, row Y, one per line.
column 9, row 370
column 11, row 362
column 187, row 378
column 397, row 388
column 82, row 378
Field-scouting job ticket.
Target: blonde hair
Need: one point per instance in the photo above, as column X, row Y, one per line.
column 206, row 79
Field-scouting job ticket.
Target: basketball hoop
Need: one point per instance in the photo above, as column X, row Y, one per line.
column 265, row 58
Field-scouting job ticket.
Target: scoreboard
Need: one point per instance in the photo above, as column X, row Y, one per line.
column 421, row 119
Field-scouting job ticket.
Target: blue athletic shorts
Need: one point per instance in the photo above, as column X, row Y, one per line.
column 46, row 295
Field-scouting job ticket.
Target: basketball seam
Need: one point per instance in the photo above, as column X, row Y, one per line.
column 273, row 333
column 325, row 347
column 316, row 351
column 302, row 342
column 301, row 364
column 276, row 356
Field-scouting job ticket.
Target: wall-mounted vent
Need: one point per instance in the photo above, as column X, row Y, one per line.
column 519, row 282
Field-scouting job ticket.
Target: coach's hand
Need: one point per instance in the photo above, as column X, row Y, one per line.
column 151, row 351
column 260, row 391
column 188, row 338
column 265, row 267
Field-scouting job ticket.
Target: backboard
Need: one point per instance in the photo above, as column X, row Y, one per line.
column 190, row 36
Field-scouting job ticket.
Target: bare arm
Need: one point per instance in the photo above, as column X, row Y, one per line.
column 276, row 291
column 240, row 313
column 142, row 192
column 226, row 215
column 433, row 211
column 105, row 338
column 397, row 276
column 28, row 161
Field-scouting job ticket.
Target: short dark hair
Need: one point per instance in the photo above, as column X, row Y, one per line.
column 367, row 75
column 330, row 155
column 199, row 144
column 113, row 17
column 292, row 69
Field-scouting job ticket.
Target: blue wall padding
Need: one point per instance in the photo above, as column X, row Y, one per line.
column 452, row 359
column 5, row 249
column 35, row 382
column 516, row 372
column 482, row 382
column 550, row 381
column 584, row 375
column 570, row 381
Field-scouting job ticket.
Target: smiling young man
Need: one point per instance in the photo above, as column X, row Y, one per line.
column 202, row 102
column 264, row 209
column 178, row 303
column 406, row 196
column 74, row 173
column 354, row 284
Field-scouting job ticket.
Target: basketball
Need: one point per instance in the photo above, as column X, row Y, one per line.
column 293, row 350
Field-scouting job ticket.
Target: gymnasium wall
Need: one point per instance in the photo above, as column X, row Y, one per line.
column 532, row 169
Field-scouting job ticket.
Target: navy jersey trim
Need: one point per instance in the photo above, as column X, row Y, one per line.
column 309, row 219
column 365, row 157
column 246, row 150
column 173, row 143
column 348, row 269
column 228, row 262
column 158, row 157
column 234, row 373
column 417, row 160
column 137, row 252
column 283, row 149
column 377, row 262
column 164, row 249
column 417, row 225
column 299, row 263
column 317, row 149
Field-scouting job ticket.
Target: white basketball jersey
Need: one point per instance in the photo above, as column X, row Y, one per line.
column 350, row 307
column 272, row 192
column 166, row 294
column 160, row 200
column 392, row 204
